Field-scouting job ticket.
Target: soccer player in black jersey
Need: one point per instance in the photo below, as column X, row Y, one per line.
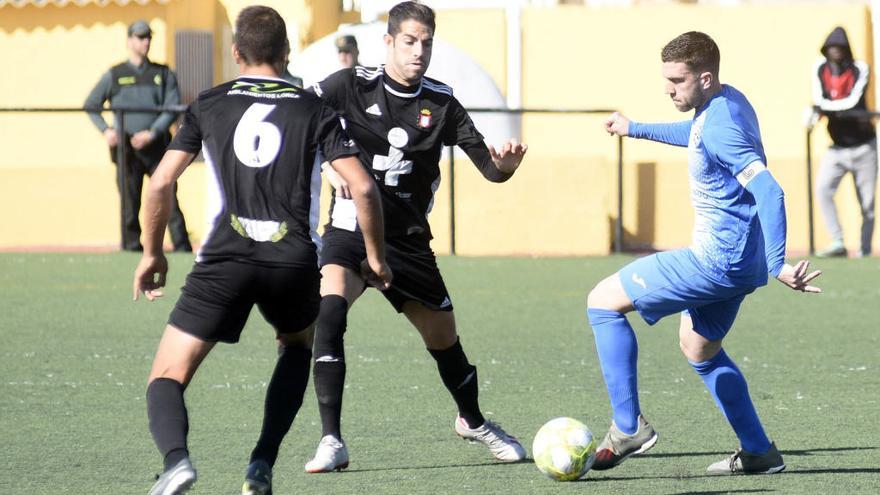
column 263, row 136
column 401, row 120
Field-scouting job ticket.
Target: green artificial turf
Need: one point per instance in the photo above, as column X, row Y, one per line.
column 76, row 352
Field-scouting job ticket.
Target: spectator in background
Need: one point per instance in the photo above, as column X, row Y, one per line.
column 839, row 84
column 347, row 51
column 139, row 82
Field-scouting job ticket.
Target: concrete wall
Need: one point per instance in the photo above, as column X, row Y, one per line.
column 56, row 182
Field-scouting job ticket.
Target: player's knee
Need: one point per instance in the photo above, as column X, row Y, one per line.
column 593, row 298
column 440, row 338
column 699, row 350
column 598, row 298
column 437, row 328
column 332, row 321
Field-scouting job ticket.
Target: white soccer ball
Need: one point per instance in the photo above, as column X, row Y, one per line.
column 564, row 449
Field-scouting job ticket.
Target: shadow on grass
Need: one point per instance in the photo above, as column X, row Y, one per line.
column 784, row 452
column 787, row 472
column 436, row 466
column 716, row 492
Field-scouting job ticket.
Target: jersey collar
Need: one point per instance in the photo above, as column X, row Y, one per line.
column 398, row 89
column 262, row 78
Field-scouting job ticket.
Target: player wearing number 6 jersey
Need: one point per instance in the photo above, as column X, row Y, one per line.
column 263, row 137
column 401, row 120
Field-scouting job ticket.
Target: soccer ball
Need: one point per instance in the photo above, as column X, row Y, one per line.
column 564, row 449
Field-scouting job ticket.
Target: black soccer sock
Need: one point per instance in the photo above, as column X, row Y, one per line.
column 330, row 362
column 284, row 397
column 169, row 423
column 460, row 378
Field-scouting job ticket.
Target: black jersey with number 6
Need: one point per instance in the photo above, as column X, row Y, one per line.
column 401, row 132
column 263, row 136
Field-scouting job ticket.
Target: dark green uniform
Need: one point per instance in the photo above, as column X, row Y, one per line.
column 149, row 85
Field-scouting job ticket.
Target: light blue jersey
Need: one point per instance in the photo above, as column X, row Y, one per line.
column 722, row 140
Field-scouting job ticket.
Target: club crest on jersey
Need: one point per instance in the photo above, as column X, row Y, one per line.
column 425, row 118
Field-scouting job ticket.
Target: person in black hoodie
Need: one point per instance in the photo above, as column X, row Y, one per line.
column 839, row 84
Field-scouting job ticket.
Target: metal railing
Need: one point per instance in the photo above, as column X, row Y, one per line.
column 811, row 124
column 120, row 111
column 121, row 145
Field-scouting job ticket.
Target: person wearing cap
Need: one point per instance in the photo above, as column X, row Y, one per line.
column 347, row 51
column 139, row 82
column 839, row 87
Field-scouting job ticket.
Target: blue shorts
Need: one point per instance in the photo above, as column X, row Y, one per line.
column 671, row 282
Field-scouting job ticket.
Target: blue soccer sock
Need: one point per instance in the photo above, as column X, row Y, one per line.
column 728, row 387
column 618, row 352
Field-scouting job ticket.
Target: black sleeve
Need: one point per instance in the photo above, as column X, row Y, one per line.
column 460, row 130
column 334, row 89
column 331, row 137
column 189, row 136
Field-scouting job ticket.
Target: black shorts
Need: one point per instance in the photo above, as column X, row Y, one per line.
column 413, row 264
column 217, row 298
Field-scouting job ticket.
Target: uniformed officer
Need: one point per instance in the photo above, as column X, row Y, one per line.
column 139, row 82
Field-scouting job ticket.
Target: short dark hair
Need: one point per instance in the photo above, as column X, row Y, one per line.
column 695, row 49
column 261, row 36
column 405, row 11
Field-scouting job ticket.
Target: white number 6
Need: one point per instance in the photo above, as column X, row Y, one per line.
column 256, row 142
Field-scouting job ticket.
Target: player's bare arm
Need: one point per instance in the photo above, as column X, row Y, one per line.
column 149, row 276
column 617, row 124
column 339, row 184
column 365, row 194
column 509, row 157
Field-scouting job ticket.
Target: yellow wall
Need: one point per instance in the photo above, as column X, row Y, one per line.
column 582, row 58
column 480, row 33
column 55, row 172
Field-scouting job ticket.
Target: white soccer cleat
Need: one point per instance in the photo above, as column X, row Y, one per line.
column 503, row 446
column 332, row 455
column 177, row 480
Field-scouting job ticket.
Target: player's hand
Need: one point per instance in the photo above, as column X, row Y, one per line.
column 376, row 273
column 339, row 184
column 149, row 277
column 141, row 139
column 617, row 124
column 111, row 137
column 797, row 277
column 508, row 158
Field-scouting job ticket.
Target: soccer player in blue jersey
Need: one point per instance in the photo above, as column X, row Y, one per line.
column 738, row 239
